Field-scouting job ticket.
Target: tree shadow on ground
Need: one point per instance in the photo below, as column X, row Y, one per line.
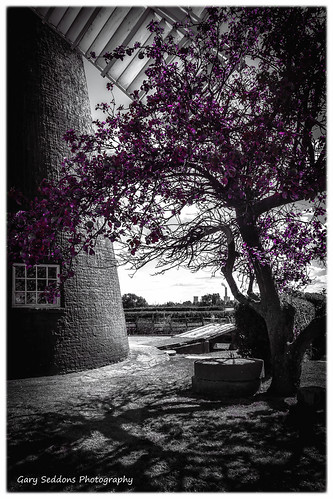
column 168, row 440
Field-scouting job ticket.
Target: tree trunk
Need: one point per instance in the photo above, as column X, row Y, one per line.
column 286, row 372
column 287, row 352
column 286, row 365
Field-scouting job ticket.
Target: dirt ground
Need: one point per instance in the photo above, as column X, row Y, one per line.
column 137, row 427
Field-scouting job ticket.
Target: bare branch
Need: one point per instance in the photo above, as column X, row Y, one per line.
column 227, row 271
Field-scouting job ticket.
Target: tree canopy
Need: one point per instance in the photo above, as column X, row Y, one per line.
column 131, row 300
column 211, row 299
column 232, row 123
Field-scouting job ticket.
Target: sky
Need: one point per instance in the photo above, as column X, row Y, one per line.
column 177, row 285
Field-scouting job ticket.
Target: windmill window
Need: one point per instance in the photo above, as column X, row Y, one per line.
column 31, row 286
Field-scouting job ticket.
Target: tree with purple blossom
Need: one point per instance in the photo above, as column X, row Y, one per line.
column 229, row 122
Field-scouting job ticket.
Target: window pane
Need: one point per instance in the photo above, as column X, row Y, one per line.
column 31, row 284
column 52, row 300
column 19, row 271
column 41, row 298
column 41, row 272
column 31, row 272
column 52, row 285
column 19, row 298
column 41, row 284
column 52, row 272
column 31, row 298
column 19, row 285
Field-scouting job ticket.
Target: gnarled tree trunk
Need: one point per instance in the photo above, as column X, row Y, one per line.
column 285, row 370
column 287, row 353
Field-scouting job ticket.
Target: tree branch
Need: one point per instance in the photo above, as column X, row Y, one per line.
column 227, row 271
column 313, row 330
column 273, row 201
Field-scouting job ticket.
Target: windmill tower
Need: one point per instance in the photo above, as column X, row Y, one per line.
column 47, row 95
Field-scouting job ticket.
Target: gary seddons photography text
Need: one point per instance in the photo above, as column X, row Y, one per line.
column 75, row 479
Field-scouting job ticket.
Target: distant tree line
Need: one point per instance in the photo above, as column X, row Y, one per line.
column 131, row 300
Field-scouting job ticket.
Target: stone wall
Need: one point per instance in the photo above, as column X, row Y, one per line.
column 47, row 95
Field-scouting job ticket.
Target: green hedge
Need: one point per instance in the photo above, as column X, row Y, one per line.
column 305, row 311
column 252, row 337
column 179, row 309
column 166, row 314
column 319, row 302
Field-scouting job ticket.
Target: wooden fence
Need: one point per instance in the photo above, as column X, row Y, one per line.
column 169, row 323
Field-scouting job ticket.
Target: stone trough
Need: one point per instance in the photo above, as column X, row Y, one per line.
column 219, row 378
column 215, row 375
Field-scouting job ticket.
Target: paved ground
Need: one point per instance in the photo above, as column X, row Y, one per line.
column 28, row 396
column 32, row 394
column 139, row 419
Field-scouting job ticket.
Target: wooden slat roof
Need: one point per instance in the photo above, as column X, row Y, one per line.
column 102, row 29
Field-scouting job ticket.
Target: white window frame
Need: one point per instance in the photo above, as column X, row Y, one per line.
column 26, row 293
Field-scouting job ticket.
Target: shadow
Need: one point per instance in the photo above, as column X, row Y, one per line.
column 165, row 440
column 309, row 425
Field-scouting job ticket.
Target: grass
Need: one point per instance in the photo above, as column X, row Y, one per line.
column 149, row 427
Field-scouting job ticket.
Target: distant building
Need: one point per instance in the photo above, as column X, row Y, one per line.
column 195, row 300
column 226, row 298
